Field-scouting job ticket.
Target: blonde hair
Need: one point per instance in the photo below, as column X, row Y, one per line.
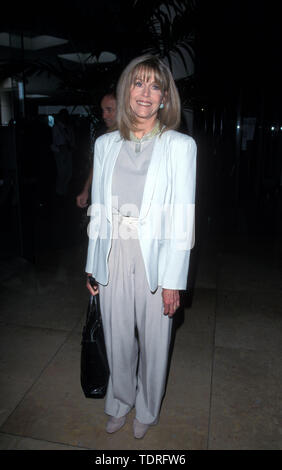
column 144, row 66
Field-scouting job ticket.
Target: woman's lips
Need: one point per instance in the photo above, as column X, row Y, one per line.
column 143, row 103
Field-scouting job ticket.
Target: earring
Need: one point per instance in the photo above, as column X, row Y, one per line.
column 161, row 106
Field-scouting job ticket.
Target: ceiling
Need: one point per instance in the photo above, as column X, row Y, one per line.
column 238, row 42
column 64, row 50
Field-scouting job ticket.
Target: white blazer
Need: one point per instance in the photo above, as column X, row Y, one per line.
column 166, row 214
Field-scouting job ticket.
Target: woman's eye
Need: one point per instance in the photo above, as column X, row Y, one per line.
column 155, row 87
column 138, row 84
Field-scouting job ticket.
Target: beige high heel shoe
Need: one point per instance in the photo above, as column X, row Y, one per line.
column 139, row 429
column 114, row 424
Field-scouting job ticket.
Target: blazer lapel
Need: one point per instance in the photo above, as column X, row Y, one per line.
column 110, row 161
column 151, row 178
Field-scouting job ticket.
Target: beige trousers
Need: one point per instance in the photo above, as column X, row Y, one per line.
column 137, row 333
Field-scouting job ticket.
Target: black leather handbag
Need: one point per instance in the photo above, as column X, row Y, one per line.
column 94, row 369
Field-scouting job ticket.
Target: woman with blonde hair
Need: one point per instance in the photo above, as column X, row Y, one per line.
column 140, row 237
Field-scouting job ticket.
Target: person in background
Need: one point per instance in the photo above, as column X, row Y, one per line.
column 108, row 106
column 143, row 196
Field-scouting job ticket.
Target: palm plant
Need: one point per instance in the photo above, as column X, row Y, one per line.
column 161, row 27
column 170, row 27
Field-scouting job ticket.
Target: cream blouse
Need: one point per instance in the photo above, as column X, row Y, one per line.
column 130, row 173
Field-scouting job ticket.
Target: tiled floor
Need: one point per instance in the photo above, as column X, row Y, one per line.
column 224, row 387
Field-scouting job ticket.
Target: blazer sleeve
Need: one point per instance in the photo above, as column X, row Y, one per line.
column 182, row 213
column 94, row 210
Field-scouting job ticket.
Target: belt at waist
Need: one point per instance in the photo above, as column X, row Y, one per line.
column 127, row 220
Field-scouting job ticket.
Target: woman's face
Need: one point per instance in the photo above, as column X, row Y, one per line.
column 145, row 98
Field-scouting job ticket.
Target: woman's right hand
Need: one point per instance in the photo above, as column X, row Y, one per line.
column 81, row 199
column 93, row 290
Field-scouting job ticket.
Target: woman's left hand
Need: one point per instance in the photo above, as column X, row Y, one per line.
column 171, row 301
